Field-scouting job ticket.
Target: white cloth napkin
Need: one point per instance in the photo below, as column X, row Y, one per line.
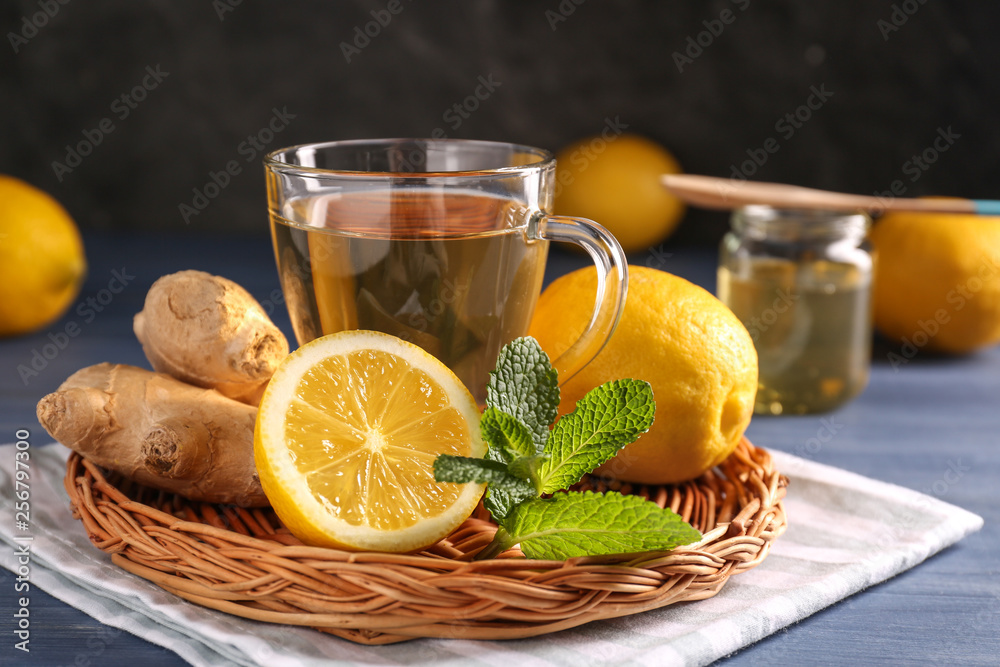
column 845, row 533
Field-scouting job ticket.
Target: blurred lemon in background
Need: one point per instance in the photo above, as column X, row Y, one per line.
column 616, row 182
column 698, row 357
column 42, row 264
column 937, row 280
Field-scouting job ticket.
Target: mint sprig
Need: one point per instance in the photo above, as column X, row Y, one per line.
column 589, row 523
column 464, row 470
column 507, row 434
column 526, row 460
column 605, row 420
column 526, row 387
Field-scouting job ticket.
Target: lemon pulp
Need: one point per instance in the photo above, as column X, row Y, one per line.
column 347, row 436
column 365, row 459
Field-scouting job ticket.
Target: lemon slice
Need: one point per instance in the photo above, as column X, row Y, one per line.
column 347, row 433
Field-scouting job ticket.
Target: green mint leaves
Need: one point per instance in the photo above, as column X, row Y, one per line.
column 527, row 460
column 462, row 469
column 525, row 386
column 605, row 420
column 507, row 435
column 588, row 523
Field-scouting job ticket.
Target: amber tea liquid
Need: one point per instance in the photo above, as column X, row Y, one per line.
column 811, row 325
column 449, row 270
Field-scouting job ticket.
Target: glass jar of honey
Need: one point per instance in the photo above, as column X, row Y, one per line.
column 801, row 283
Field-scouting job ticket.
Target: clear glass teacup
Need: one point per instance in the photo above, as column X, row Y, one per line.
column 440, row 242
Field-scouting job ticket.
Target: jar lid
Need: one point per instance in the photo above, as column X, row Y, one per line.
column 763, row 221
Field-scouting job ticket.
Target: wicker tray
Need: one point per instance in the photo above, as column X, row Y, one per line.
column 245, row 562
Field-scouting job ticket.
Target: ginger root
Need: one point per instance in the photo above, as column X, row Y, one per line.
column 158, row 431
column 208, row 331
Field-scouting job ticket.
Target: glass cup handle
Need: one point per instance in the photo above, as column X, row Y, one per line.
column 612, row 285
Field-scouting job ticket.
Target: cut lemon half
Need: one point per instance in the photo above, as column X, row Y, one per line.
column 347, row 434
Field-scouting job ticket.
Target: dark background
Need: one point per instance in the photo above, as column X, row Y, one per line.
column 892, row 90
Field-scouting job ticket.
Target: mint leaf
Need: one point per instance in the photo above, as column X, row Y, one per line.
column 507, row 434
column 594, row 524
column 527, row 467
column 464, row 470
column 525, row 386
column 501, row 500
column 525, row 460
column 605, row 420
column 504, row 490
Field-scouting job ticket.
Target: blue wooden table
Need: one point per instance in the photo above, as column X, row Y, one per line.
column 914, row 423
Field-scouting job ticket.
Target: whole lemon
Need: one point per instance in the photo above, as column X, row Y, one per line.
column 698, row 357
column 42, row 264
column 937, row 280
column 616, row 182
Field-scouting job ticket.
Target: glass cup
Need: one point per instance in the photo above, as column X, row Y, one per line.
column 439, row 242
